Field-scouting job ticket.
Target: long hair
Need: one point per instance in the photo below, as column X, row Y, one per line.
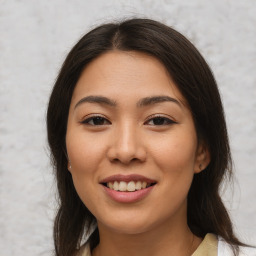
column 193, row 77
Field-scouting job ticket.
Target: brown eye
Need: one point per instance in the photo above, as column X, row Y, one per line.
column 96, row 120
column 159, row 120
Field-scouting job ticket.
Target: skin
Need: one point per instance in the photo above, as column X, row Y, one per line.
column 156, row 140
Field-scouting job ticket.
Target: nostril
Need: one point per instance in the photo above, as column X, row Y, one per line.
column 125, row 161
column 126, row 154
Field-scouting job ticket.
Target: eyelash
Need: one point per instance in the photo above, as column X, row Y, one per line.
column 166, row 120
column 94, row 118
column 97, row 118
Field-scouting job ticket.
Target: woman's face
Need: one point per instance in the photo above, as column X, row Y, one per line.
column 132, row 143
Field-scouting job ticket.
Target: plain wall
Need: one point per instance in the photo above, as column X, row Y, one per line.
column 35, row 36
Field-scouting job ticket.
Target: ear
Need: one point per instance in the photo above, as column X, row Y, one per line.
column 68, row 161
column 203, row 157
column 69, row 166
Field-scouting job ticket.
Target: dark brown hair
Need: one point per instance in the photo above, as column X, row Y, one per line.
column 194, row 79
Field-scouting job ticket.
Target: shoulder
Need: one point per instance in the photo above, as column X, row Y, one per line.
column 224, row 249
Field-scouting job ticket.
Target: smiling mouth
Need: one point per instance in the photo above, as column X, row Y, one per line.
column 130, row 186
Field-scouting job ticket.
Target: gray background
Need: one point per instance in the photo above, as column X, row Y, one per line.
column 35, row 36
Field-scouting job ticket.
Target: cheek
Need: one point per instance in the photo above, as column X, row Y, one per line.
column 82, row 160
column 84, row 152
column 175, row 158
column 84, row 164
column 176, row 154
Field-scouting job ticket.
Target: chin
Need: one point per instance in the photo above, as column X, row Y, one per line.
column 130, row 225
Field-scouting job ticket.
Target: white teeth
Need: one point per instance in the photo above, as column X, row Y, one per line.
column 110, row 185
column 122, row 186
column 116, row 186
column 138, row 185
column 144, row 184
column 131, row 186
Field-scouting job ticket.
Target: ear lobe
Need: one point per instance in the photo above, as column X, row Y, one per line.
column 68, row 162
column 69, row 166
column 203, row 158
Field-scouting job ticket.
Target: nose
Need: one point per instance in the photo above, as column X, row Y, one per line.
column 126, row 146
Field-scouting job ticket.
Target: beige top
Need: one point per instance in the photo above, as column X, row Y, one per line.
column 208, row 247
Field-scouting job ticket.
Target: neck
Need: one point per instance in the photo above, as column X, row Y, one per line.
column 163, row 240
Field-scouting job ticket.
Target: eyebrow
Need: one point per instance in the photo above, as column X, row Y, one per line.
column 156, row 99
column 141, row 103
column 96, row 99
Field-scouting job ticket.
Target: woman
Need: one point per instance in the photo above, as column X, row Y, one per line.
column 139, row 144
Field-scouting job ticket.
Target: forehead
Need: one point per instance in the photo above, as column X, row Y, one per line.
column 126, row 75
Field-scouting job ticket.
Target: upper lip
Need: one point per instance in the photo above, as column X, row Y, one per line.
column 127, row 178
